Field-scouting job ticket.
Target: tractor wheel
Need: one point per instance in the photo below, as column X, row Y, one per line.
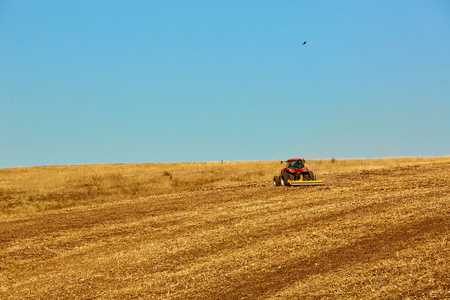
column 284, row 179
column 276, row 181
column 306, row 176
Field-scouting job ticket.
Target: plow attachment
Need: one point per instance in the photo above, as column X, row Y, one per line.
column 279, row 180
column 305, row 182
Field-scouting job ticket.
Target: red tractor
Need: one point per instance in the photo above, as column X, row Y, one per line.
column 296, row 174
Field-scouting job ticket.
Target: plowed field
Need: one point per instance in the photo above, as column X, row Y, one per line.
column 365, row 235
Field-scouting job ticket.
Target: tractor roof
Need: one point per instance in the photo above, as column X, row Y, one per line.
column 296, row 159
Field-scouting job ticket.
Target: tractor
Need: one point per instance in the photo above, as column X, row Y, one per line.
column 296, row 174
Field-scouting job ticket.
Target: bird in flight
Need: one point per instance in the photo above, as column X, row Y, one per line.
column 304, row 43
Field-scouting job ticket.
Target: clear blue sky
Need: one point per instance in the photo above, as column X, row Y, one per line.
column 107, row 81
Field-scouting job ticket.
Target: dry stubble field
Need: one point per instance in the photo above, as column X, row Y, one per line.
column 378, row 229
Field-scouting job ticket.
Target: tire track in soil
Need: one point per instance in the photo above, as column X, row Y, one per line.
column 370, row 249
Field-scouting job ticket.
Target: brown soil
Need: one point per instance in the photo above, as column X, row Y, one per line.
column 365, row 235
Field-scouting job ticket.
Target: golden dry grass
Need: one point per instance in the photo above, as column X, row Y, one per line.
column 33, row 189
column 25, row 190
column 378, row 229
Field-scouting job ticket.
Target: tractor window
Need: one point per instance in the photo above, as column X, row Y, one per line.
column 297, row 164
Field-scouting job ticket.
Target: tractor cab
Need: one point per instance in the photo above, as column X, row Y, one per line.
column 295, row 165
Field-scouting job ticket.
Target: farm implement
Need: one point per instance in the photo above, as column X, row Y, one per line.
column 296, row 174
